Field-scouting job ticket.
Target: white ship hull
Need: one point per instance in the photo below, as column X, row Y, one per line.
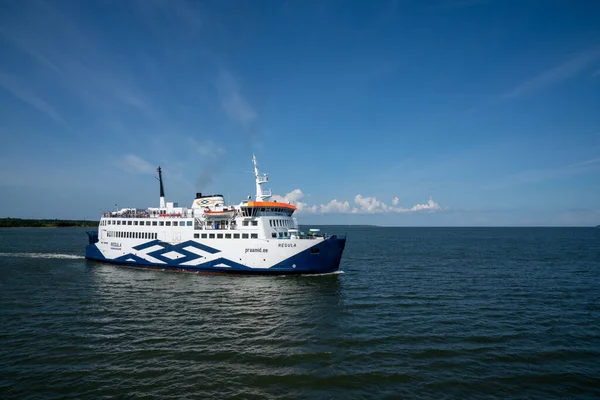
column 247, row 256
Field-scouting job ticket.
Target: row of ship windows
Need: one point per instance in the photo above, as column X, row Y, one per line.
column 225, row 235
column 132, row 235
column 280, row 222
column 147, row 223
column 281, row 234
column 252, row 211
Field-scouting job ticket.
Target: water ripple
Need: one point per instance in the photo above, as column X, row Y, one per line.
column 438, row 313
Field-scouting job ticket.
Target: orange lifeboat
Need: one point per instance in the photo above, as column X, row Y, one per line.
column 219, row 213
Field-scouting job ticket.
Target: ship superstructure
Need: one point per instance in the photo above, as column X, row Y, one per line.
column 259, row 236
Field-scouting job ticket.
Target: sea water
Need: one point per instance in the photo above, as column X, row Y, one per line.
column 417, row 313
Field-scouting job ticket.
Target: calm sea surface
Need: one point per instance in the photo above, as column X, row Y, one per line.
column 418, row 313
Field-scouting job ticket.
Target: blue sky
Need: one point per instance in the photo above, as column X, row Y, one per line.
column 404, row 113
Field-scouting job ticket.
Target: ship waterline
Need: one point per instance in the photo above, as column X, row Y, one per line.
column 253, row 237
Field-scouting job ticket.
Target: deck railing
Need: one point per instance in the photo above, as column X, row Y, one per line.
column 145, row 214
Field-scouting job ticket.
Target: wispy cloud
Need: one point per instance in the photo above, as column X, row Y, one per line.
column 207, row 148
column 187, row 13
column 76, row 62
column 554, row 75
column 14, row 86
column 457, row 4
column 532, row 176
column 234, row 104
column 135, row 164
column 361, row 205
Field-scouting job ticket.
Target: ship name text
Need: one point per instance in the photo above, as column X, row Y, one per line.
column 257, row 250
column 287, row 244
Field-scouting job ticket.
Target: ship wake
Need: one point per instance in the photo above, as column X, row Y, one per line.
column 339, row 272
column 43, row 255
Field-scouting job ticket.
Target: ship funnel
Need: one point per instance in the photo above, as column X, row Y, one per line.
column 162, row 189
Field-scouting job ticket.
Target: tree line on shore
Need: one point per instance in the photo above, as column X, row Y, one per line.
column 45, row 223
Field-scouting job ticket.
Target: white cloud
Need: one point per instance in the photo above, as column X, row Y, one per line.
column 368, row 204
column 362, row 205
column 294, row 198
column 335, row 207
column 134, row 164
column 429, row 206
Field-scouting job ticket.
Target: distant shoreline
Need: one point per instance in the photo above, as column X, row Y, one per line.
column 46, row 223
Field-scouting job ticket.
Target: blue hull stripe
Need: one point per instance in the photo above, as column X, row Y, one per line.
column 177, row 247
column 326, row 260
column 150, row 244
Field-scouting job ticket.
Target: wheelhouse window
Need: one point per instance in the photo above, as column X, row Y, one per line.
column 153, row 223
column 274, row 234
column 161, row 223
column 236, row 235
column 228, row 236
column 168, row 223
column 219, row 236
column 211, row 235
column 254, row 236
column 254, row 223
column 245, row 223
column 244, row 236
column 128, row 222
column 204, row 236
column 189, row 223
column 196, row 235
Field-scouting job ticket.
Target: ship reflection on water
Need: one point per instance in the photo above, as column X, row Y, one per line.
column 212, row 316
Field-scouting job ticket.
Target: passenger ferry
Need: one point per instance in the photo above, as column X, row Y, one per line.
column 253, row 237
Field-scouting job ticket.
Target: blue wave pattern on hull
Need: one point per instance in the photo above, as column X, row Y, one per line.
column 326, row 260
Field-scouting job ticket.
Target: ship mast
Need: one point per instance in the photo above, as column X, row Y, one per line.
column 162, row 189
column 260, row 180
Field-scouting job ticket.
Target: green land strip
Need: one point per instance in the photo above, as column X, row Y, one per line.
column 45, row 223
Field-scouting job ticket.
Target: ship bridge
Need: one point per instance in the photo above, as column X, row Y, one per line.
column 266, row 208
